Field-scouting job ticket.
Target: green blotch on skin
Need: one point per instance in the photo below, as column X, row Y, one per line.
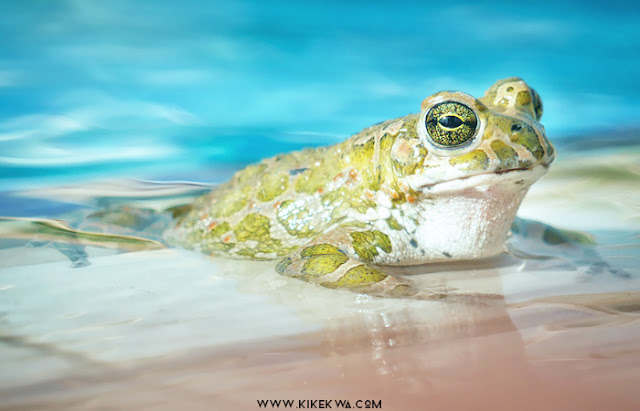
column 475, row 160
column 253, row 227
column 527, row 138
column 357, row 277
column 322, row 259
column 361, row 157
column 294, row 219
column 320, row 249
column 367, row 243
column 319, row 265
column 385, row 166
column 394, row 224
column 272, row 185
column 257, row 227
column 507, row 155
column 523, row 98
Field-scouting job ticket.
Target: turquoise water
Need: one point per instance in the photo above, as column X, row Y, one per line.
column 194, row 90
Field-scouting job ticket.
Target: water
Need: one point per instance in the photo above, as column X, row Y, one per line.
column 97, row 92
column 94, row 89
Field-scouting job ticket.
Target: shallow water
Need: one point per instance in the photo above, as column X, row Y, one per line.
column 172, row 328
column 98, row 96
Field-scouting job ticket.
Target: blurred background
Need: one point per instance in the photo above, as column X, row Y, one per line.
column 193, row 90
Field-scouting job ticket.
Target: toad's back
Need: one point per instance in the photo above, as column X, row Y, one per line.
column 269, row 209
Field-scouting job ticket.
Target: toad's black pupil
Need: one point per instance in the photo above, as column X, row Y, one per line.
column 450, row 122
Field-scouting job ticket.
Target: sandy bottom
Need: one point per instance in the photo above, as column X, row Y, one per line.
column 174, row 330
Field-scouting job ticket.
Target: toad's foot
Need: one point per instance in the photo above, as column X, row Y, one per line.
column 335, row 260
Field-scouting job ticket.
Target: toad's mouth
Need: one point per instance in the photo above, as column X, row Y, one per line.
column 518, row 178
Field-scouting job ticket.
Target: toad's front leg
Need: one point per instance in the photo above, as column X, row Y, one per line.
column 343, row 258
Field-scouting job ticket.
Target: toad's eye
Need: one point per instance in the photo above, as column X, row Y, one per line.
column 451, row 124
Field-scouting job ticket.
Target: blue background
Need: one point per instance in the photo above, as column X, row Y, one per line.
column 195, row 89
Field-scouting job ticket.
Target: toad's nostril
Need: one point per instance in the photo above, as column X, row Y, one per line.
column 516, row 127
